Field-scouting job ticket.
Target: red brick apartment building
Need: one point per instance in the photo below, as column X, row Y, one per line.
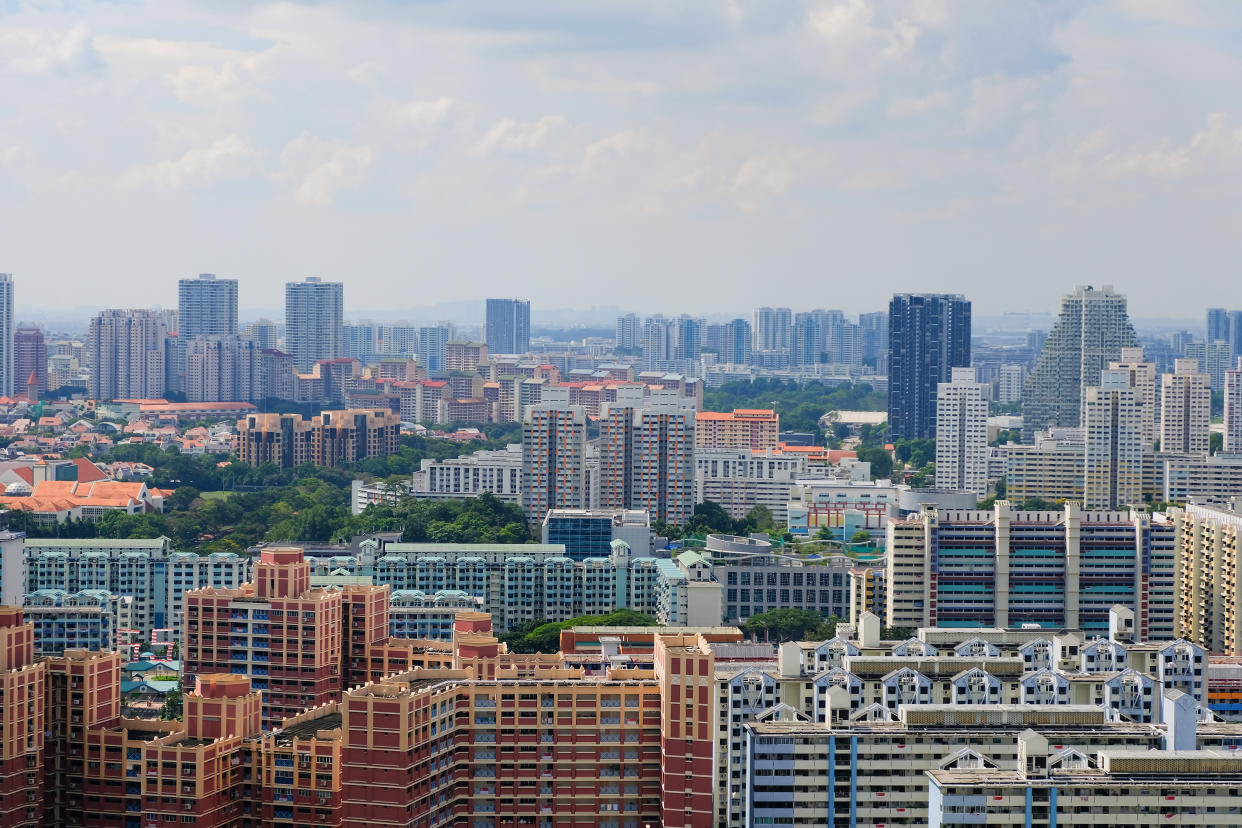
column 397, row 732
column 485, row 738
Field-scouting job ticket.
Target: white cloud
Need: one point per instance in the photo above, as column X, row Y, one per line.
column 316, row 170
column 904, row 107
column 614, row 146
column 762, row 179
column 365, row 73
column 53, row 52
column 420, row 113
column 844, row 19
column 1217, row 148
column 228, row 157
column 997, row 101
column 509, row 136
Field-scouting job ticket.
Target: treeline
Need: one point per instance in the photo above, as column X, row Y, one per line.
column 205, row 472
column 800, row 405
column 711, row 519
column 220, row 505
column 541, row 636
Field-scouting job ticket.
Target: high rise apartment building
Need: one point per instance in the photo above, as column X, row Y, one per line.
column 314, row 321
column 1142, row 377
column 874, row 330
column 1233, row 409
column 1008, row 567
column 222, row 369
column 629, row 331
column 752, row 428
column 646, row 456
column 206, row 306
column 330, row 438
column 126, row 354
column 1214, row 358
column 1185, row 409
column 282, row 634
column 1009, row 383
column 736, row 341
column 8, row 382
column 1217, row 325
column 962, row 434
column 359, row 341
column 263, row 333
column 507, row 327
column 929, row 335
column 464, row 356
column 773, row 329
column 276, row 375
column 1209, row 560
column 400, row 340
column 29, row 357
column 1092, row 328
column 526, row 737
column 1113, row 425
column 145, row 572
column 23, row 684
column 432, row 342
column 553, row 460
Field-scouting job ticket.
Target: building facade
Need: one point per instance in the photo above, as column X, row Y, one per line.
column 1113, row 425
column 646, row 460
column 742, row 428
column 222, row 369
column 29, row 357
column 314, row 321
column 1185, row 409
column 127, row 355
column 507, row 327
column 1008, row 567
column 929, row 335
column 1092, row 328
column 330, row 438
column 962, row 434
column 553, row 460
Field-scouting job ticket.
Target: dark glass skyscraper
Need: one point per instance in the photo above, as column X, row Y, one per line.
column 508, row 326
column 928, row 336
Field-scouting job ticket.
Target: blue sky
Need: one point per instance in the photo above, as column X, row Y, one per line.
column 666, row 157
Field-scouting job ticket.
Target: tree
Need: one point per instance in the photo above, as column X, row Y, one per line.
column 861, row 536
column 881, row 461
column 541, row 636
column 709, row 518
column 786, row 624
column 172, row 704
column 1216, row 442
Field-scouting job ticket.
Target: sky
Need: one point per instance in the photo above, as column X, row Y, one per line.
column 678, row 157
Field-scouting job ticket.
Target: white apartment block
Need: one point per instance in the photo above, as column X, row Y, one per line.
column 126, row 349
column 1185, row 409
column 148, row 570
column 741, row 479
column 1114, row 435
column 1009, row 383
column 1143, row 381
column 1233, row 409
column 962, row 434
column 314, row 321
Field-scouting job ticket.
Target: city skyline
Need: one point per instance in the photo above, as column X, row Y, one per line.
column 861, row 143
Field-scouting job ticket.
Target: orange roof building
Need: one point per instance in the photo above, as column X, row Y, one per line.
column 752, row 428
